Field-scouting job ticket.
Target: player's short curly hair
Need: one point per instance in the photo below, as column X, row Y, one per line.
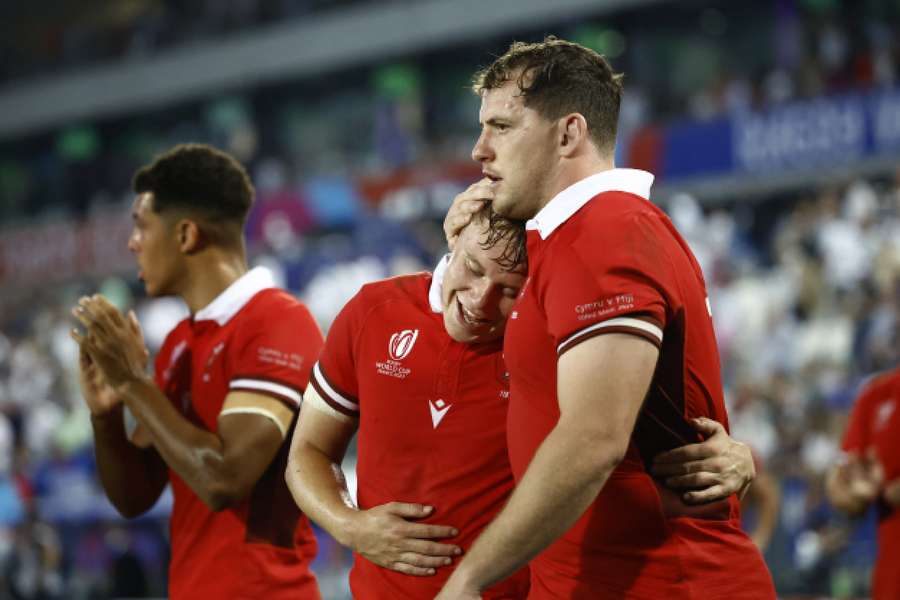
column 199, row 179
column 558, row 77
column 509, row 232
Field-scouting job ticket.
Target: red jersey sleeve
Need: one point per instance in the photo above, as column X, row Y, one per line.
column 857, row 437
column 334, row 375
column 606, row 282
column 274, row 352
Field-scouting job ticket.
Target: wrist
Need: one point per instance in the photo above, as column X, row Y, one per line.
column 348, row 527
column 464, row 579
column 134, row 386
column 106, row 414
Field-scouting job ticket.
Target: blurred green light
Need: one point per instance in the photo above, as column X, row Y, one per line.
column 78, row 143
column 398, row 81
column 608, row 42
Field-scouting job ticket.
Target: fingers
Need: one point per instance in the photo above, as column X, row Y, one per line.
column 693, row 481
column 713, row 464
column 409, row 510
column 135, row 325
column 710, row 494
column 411, row 570
column 433, row 548
column 707, row 427
column 85, row 315
column 429, row 532
column 422, row 560
column 691, row 452
column 464, row 206
column 77, row 336
column 419, row 530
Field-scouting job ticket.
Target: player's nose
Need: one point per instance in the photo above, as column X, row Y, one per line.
column 481, row 151
column 481, row 297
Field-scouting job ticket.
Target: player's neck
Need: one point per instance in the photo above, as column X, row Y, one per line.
column 209, row 275
column 572, row 171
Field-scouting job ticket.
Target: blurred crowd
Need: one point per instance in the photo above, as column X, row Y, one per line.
column 805, row 294
column 354, row 173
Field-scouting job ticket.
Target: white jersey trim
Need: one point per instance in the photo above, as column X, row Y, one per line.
column 629, row 322
column 332, row 393
column 236, row 296
column 267, row 386
column 435, row 292
column 316, row 401
column 255, row 410
column 570, row 200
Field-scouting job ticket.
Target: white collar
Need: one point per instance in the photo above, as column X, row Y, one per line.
column 436, row 291
column 236, row 296
column 570, row 200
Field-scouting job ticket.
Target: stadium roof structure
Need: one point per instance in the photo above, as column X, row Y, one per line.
column 316, row 44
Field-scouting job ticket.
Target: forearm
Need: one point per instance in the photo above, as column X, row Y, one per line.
column 131, row 477
column 320, row 490
column 769, row 501
column 197, row 455
column 559, row 485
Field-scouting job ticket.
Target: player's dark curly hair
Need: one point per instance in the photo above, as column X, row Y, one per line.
column 558, row 77
column 199, row 179
column 509, row 232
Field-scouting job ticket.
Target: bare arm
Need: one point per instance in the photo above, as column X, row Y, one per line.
column 766, row 494
column 383, row 534
column 133, row 478
column 601, row 386
column 221, row 468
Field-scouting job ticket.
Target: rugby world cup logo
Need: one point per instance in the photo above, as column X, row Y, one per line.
column 401, row 343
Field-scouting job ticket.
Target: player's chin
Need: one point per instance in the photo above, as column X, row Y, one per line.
column 151, row 289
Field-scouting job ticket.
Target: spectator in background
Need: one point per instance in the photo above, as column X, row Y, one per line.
column 869, row 474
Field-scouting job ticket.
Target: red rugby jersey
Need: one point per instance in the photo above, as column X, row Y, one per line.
column 257, row 338
column 432, row 421
column 875, row 423
column 603, row 259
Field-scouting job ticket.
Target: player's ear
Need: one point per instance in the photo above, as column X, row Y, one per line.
column 571, row 133
column 189, row 235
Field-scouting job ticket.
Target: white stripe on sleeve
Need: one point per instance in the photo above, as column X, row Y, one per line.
column 332, row 393
column 630, row 322
column 267, row 386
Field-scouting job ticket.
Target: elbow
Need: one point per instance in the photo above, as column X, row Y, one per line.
column 609, row 457
column 222, row 496
column 129, row 512
column 609, row 451
column 131, row 508
column 223, row 490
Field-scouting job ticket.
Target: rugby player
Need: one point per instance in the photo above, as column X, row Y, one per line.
column 612, row 323
column 228, row 384
column 413, row 365
column 869, row 474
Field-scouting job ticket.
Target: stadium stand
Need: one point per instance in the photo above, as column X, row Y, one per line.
column 774, row 131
